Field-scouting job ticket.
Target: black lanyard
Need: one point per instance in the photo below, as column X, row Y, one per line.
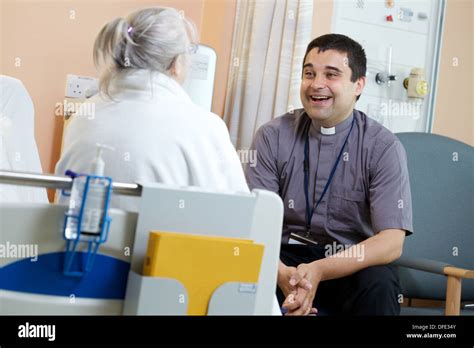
column 310, row 211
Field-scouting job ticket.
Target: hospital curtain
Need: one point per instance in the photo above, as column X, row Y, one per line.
column 269, row 42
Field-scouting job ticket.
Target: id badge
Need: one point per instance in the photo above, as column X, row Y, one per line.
column 305, row 239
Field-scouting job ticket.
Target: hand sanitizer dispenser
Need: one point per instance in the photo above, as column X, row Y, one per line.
column 89, row 208
column 86, row 221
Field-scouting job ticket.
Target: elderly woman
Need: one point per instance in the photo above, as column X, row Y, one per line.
column 142, row 111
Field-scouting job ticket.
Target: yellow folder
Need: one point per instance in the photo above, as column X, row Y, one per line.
column 202, row 263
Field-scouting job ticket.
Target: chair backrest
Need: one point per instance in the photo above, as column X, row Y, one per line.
column 442, row 184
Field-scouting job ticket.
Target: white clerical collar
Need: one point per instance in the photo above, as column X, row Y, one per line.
column 328, row 131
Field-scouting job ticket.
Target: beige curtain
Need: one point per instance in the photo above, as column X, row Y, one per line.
column 270, row 39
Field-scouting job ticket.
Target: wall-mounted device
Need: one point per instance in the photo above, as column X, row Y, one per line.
column 200, row 81
column 397, row 35
column 386, row 77
column 383, row 77
column 416, row 84
column 81, row 87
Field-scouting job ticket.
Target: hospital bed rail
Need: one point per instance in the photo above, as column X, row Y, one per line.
column 59, row 182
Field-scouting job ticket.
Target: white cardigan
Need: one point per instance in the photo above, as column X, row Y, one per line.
column 159, row 135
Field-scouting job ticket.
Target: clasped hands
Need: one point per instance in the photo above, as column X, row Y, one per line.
column 299, row 286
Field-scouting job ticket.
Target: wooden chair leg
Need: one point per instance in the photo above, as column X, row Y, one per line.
column 453, row 296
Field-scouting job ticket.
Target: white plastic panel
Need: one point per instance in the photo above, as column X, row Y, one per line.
column 200, row 81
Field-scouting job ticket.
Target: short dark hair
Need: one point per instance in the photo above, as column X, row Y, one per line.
column 344, row 44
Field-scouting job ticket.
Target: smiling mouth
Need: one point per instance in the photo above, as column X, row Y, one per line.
column 320, row 98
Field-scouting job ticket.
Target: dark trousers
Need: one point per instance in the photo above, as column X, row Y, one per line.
column 371, row 291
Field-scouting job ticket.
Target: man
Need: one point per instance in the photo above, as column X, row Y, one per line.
column 344, row 182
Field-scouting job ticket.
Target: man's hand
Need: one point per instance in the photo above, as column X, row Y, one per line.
column 383, row 248
column 283, row 281
column 306, row 279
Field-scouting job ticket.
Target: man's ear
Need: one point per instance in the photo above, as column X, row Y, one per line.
column 360, row 84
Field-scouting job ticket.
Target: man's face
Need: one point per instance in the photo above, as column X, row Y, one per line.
column 327, row 92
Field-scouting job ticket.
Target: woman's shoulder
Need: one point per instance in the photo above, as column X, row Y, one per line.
column 196, row 116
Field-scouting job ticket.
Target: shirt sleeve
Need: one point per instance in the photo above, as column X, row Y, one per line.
column 390, row 195
column 263, row 173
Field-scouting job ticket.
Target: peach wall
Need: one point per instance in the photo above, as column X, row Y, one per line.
column 217, row 30
column 54, row 38
column 454, row 115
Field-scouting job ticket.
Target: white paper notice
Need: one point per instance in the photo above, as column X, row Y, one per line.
column 199, row 67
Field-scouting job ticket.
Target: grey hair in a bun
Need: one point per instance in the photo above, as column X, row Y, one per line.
column 152, row 38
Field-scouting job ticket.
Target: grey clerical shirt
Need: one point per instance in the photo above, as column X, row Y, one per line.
column 370, row 190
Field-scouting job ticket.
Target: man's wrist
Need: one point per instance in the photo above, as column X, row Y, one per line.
column 282, row 267
column 281, row 270
column 318, row 269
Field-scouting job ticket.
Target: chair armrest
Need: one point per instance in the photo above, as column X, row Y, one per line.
column 421, row 264
column 433, row 266
column 459, row 272
column 454, row 278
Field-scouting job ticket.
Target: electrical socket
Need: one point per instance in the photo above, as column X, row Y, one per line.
column 81, row 87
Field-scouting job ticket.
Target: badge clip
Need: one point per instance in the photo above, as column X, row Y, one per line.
column 306, row 239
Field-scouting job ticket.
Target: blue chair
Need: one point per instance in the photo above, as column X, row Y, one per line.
column 440, row 253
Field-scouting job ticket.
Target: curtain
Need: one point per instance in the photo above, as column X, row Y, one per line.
column 270, row 39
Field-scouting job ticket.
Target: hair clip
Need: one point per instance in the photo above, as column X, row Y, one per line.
column 129, row 30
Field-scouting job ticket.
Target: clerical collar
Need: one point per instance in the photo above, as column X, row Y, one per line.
column 328, row 131
column 338, row 128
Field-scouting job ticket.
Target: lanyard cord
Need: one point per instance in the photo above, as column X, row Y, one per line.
column 310, row 211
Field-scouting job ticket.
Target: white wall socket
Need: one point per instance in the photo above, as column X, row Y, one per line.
column 81, row 87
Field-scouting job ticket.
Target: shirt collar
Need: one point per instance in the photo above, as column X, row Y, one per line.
column 338, row 128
